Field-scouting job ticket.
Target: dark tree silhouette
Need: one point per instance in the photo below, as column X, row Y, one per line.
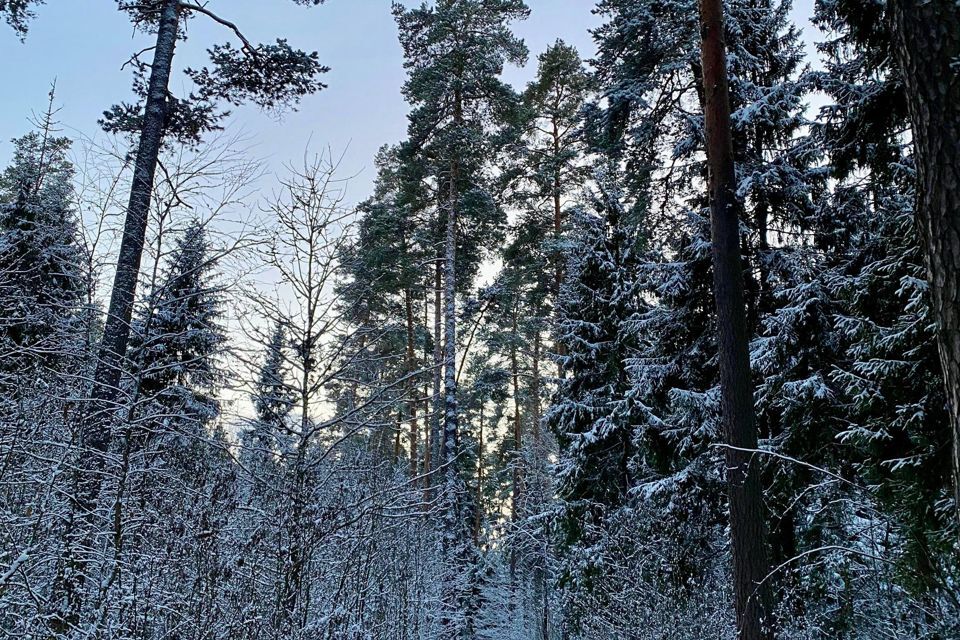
column 751, row 595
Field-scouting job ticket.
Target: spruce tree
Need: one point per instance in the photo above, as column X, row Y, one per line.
column 649, row 71
column 42, row 276
column 593, row 414
column 837, row 352
column 43, row 319
column 175, row 483
column 267, row 435
column 178, row 339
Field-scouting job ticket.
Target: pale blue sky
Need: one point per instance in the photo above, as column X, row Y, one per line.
column 83, row 43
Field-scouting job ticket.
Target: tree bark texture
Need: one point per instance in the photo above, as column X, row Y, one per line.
column 94, row 427
column 747, row 533
column 927, row 44
column 116, row 331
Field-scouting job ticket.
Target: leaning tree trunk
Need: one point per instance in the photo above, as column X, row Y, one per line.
column 751, row 595
column 927, row 43
column 116, row 331
column 94, row 426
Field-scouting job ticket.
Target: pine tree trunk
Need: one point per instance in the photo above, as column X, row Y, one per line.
column 478, row 511
column 747, row 533
column 450, row 417
column 535, row 410
column 456, row 527
column 94, row 424
column 557, row 234
column 411, row 386
column 539, row 471
column 448, row 444
column 517, row 435
column 429, row 437
column 116, row 331
column 927, row 43
column 436, row 420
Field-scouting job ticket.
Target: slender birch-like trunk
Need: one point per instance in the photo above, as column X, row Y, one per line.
column 517, row 436
column 411, row 387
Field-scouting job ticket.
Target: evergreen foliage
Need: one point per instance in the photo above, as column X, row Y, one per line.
column 486, row 401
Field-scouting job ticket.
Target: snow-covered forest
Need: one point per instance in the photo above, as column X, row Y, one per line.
column 664, row 345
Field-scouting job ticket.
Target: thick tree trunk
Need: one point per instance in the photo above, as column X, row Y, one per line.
column 116, row 331
column 456, row 525
column 927, row 42
column 747, row 534
column 94, row 425
column 451, row 433
column 448, row 444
